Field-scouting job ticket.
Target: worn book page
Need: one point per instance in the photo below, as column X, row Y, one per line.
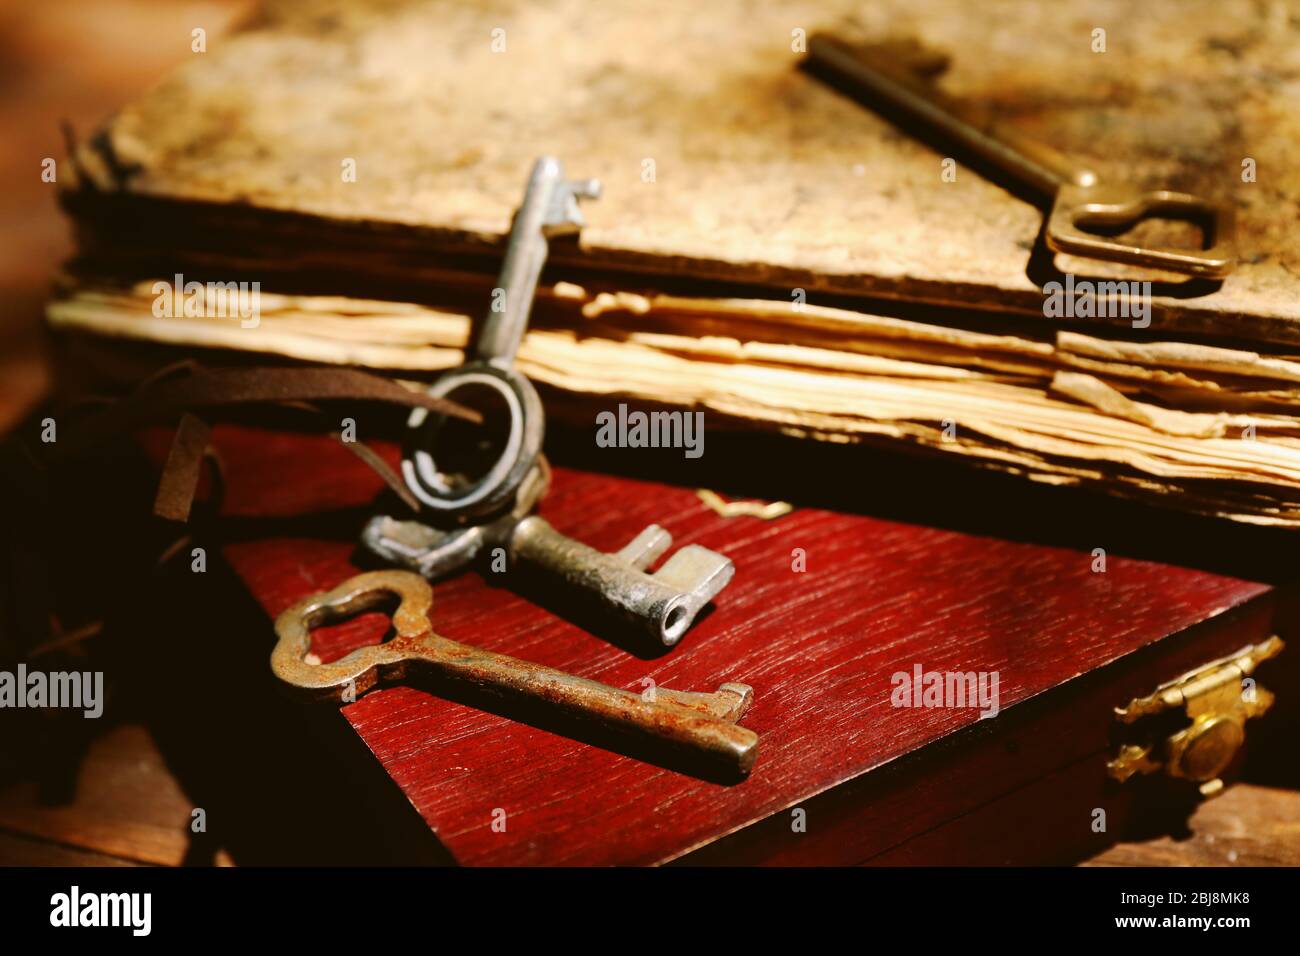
column 1218, row 433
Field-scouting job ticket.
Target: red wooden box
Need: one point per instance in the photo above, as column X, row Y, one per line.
column 843, row 775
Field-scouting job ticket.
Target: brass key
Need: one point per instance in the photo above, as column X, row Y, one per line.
column 704, row 723
column 1078, row 199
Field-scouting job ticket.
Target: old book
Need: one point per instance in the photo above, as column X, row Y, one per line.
column 386, row 139
column 374, row 239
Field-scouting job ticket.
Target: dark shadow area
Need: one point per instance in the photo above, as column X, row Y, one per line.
column 187, row 655
column 281, row 783
column 927, row 490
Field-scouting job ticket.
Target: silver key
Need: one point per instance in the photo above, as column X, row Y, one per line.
column 550, row 208
column 663, row 604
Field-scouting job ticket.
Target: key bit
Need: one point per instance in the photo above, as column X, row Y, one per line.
column 705, row 723
column 563, row 214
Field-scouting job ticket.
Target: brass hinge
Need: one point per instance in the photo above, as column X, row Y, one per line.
column 1218, row 698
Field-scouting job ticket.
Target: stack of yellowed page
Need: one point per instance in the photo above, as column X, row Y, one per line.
column 1198, row 427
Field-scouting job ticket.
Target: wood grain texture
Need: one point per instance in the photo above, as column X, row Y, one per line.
column 24, row 851
column 818, row 647
column 126, row 805
column 1019, row 790
column 1245, row 826
column 762, row 174
column 1248, row 825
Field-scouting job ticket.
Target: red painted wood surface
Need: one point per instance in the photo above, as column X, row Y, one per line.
column 1022, row 789
column 819, row 648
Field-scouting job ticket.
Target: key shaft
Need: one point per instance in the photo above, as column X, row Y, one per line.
column 666, row 717
column 549, row 208
column 1085, row 215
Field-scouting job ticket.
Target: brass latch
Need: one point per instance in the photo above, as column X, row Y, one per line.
column 1219, row 700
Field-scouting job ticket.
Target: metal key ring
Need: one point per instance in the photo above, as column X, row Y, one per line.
column 495, row 489
column 434, row 552
column 549, row 209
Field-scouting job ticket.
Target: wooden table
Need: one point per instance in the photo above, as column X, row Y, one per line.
column 130, row 808
column 127, row 798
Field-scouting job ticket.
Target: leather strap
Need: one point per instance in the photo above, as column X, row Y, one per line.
column 180, row 389
column 180, row 476
column 166, row 398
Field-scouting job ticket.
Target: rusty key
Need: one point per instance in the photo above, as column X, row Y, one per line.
column 882, row 72
column 703, row 722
